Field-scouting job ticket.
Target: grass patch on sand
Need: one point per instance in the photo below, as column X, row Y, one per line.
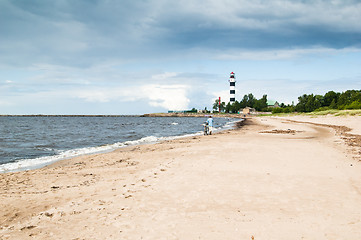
column 279, row 114
column 335, row 112
column 332, row 112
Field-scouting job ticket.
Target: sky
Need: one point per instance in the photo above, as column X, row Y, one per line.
column 146, row 56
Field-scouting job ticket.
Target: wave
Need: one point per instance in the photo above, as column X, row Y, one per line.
column 28, row 164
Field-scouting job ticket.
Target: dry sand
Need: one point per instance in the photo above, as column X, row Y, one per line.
column 271, row 179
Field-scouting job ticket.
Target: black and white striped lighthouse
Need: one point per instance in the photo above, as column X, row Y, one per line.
column 232, row 88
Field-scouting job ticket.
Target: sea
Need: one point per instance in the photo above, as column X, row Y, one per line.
column 30, row 142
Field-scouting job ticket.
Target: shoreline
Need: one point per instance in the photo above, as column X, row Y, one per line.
column 131, row 115
column 266, row 179
column 43, row 161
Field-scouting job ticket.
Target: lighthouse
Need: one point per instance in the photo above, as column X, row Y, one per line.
column 232, row 88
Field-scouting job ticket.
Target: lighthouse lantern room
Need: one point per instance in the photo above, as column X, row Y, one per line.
column 232, row 87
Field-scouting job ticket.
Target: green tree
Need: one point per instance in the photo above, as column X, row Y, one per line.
column 318, row 102
column 301, row 105
column 330, row 97
column 228, row 107
column 348, row 97
column 251, row 100
column 261, row 104
column 333, row 104
column 248, row 101
column 353, row 105
column 216, row 105
column 235, row 107
column 244, row 102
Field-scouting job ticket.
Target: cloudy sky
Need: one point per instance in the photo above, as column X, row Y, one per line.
column 134, row 57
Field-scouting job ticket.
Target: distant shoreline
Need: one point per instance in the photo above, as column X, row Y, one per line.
column 192, row 115
column 140, row 115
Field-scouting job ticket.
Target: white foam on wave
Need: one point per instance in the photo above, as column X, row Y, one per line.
column 229, row 125
column 28, row 164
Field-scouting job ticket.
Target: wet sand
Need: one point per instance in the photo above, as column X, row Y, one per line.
column 274, row 178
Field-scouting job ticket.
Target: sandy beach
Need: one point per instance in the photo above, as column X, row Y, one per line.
column 273, row 178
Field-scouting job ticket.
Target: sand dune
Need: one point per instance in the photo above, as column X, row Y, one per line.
column 271, row 179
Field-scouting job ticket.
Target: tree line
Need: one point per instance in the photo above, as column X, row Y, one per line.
column 247, row 101
column 350, row 99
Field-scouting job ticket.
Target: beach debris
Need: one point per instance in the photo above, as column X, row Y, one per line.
column 135, row 149
column 27, row 227
column 87, row 174
column 79, row 163
column 279, row 131
column 49, row 214
column 132, row 163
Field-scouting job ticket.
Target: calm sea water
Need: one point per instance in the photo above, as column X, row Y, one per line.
column 33, row 142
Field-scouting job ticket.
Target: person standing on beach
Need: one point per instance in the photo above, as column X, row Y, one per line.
column 210, row 124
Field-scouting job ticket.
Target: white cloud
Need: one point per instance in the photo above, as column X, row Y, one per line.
column 223, row 94
column 268, row 15
column 108, row 94
column 170, row 97
column 163, row 76
column 5, row 103
column 96, row 95
column 280, row 54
